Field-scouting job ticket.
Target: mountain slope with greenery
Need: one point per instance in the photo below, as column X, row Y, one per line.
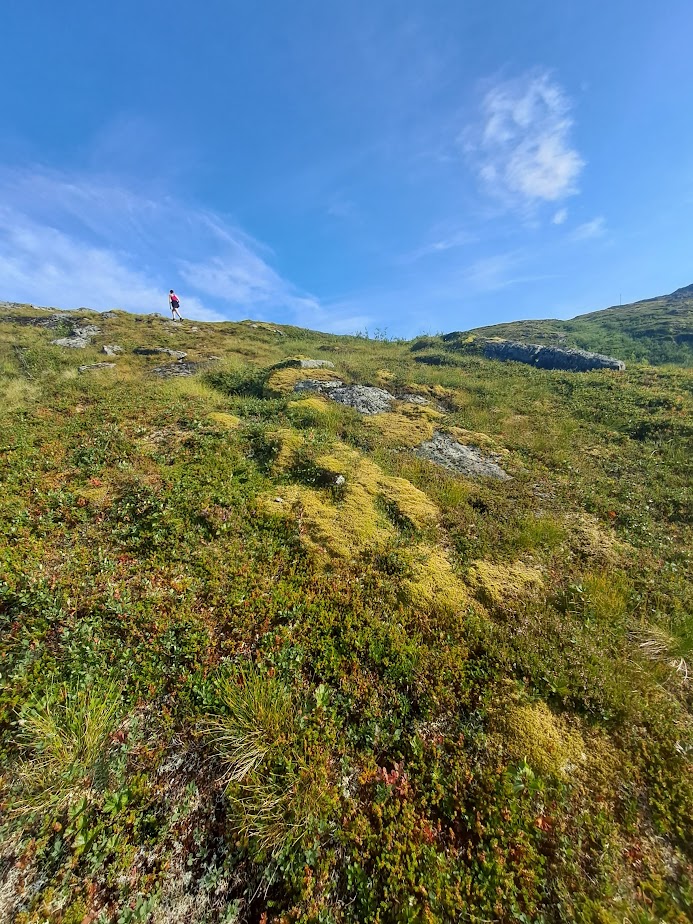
column 657, row 331
column 261, row 661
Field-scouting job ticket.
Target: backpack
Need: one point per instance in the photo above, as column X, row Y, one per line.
column 174, row 301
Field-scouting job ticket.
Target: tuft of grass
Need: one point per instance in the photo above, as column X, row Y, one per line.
column 276, row 791
column 258, row 716
column 664, row 647
column 65, row 741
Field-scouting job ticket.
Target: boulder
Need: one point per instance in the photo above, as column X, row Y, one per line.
column 80, row 334
column 316, row 364
column 175, row 369
column 157, row 351
column 111, row 349
column 293, row 363
column 467, row 460
column 363, row 398
column 550, row 357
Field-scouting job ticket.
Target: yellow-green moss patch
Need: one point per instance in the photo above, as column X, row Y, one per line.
column 531, row 732
column 496, row 584
column 314, row 402
column 227, row 421
column 473, row 438
column 409, row 425
column 434, row 582
column 282, row 381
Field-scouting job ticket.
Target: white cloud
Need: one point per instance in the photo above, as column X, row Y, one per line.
column 590, row 229
column 522, row 147
column 560, row 216
column 71, row 241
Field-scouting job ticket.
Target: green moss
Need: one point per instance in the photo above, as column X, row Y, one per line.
column 282, row 381
column 408, row 426
column 499, row 585
column 227, row 421
column 532, row 733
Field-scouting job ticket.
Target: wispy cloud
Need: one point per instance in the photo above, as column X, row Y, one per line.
column 45, row 266
column 560, row 217
column 442, row 244
column 522, row 145
column 71, row 240
column 590, row 229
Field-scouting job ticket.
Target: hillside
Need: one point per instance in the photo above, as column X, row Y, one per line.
column 295, row 628
column 657, row 330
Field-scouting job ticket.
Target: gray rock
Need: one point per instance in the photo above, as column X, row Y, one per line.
column 80, row 334
column 316, row 364
column 363, row 398
column 293, row 363
column 550, row 357
column 414, row 399
column 157, row 351
column 444, row 450
column 111, row 349
column 75, row 343
column 91, row 366
column 175, row 369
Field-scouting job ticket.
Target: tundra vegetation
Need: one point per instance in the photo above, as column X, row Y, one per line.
column 262, row 661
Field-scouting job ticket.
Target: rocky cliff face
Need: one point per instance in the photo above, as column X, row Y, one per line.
column 550, row 357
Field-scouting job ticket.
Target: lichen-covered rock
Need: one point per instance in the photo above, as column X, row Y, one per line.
column 171, row 370
column 467, row 460
column 550, row 357
column 111, row 349
column 297, row 363
column 316, row 364
column 79, row 337
column 156, row 351
column 363, row 398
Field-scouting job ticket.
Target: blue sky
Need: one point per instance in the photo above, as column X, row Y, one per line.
column 402, row 167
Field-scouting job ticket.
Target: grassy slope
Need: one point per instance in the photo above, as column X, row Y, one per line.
column 658, row 331
column 467, row 700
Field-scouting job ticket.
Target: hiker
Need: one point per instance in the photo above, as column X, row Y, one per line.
column 174, row 304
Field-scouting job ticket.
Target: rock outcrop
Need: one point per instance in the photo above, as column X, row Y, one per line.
column 467, row 460
column 363, row 398
column 295, row 363
column 550, row 357
column 157, row 351
column 80, row 336
column 171, row 370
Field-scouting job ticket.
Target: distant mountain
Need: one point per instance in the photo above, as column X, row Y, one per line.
column 656, row 330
